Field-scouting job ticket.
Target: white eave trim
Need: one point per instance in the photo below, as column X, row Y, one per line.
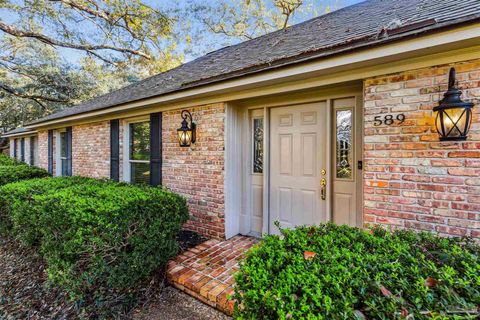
column 20, row 134
column 456, row 38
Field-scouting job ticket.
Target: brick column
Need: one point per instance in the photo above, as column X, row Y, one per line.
column 411, row 179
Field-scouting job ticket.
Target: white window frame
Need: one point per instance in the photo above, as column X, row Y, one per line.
column 58, row 152
column 127, row 167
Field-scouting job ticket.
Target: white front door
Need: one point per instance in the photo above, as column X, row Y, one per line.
column 298, row 162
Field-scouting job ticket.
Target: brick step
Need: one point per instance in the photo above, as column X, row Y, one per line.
column 206, row 271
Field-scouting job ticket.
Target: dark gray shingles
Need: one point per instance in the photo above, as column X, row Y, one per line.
column 16, row 131
column 347, row 28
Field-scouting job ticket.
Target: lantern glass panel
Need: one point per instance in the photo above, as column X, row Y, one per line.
column 185, row 137
column 452, row 123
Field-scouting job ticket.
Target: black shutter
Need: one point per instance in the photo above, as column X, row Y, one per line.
column 32, row 150
column 22, row 149
column 15, row 148
column 50, row 151
column 156, row 149
column 69, row 151
column 115, row 150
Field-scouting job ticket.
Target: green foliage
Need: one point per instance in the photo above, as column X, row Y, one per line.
column 115, row 43
column 7, row 161
column 99, row 238
column 356, row 274
column 16, row 203
column 17, row 172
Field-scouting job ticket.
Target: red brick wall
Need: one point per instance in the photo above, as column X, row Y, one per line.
column 411, row 179
column 43, row 150
column 198, row 172
column 91, row 150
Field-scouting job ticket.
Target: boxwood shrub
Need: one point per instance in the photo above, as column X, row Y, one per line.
column 17, row 204
column 339, row 272
column 7, row 161
column 18, row 172
column 99, row 238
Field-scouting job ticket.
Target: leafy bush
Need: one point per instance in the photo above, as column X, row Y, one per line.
column 16, row 203
column 339, row 272
column 14, row 173
column 7, row 161
column 98, row 237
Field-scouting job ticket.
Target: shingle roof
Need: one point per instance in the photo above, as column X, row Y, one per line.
column 368, row 23
column 16, row 131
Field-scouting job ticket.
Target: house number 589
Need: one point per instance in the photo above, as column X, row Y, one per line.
column 388, row 119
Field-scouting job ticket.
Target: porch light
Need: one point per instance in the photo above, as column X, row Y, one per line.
column 454, row 116
column 186, row 134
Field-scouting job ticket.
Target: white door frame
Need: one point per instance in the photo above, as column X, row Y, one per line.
column 238, row 146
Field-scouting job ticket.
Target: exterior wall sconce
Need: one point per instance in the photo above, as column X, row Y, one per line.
column 454, row 116
column 186, row 133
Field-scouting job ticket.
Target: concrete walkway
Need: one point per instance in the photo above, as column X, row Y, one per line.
column 206, row 271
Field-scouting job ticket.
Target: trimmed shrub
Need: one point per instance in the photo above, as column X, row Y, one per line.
column 12, row 171
column 18, row 172
column 17, row 204
column 7, row 161
column 99, row 238
column 339, row 272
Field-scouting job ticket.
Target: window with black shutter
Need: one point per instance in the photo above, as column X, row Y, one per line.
column 50, row 151
column 33, row 142
column 115, row 150
column 22, row 149
column 156, row 149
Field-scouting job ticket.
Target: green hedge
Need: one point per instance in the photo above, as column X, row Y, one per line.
column 7, row 161
column 11, row 170
column 98, row 237
column 18, row 202
column 18, row 172
column 356, row 274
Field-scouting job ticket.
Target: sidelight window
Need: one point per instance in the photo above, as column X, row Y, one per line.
column 344, row 149
column 258, row 137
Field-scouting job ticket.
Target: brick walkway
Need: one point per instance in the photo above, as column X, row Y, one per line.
column 206, row 271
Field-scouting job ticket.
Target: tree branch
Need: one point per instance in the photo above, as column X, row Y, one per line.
column 32, row 97
column 84, row 47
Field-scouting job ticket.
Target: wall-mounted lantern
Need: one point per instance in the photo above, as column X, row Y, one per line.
column 454, row 116
column 186, row 133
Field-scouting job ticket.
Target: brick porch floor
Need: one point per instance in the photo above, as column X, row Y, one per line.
column 206, row 271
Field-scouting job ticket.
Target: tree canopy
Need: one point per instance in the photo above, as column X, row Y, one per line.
column 57, row 53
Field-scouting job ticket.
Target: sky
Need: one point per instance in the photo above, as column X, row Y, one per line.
column 204, row 41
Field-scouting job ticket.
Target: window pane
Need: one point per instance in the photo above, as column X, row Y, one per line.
column 64, row 167
column 63, row 144
column 140, row 173
column 344, row 156
column 140, row 141
column 258, row 145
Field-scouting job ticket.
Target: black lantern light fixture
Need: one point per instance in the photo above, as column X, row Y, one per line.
column 454, row 116
column 186, row 133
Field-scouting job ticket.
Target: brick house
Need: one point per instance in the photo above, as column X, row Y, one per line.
column 329, row 120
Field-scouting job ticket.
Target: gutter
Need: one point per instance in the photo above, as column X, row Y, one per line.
column 18, row 134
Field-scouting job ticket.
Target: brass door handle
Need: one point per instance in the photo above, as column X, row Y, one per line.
column 323, row 189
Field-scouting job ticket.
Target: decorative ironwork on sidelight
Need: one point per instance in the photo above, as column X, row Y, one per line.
column 344, row 156
column 258, row 145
